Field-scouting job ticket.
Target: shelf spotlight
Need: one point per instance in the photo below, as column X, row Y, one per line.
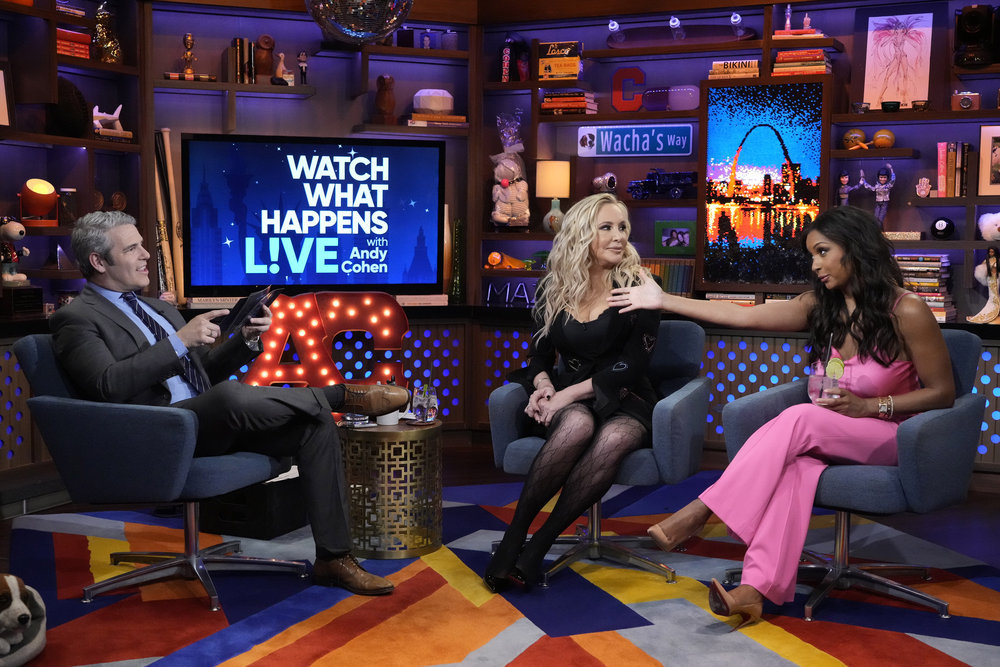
column 735, row 22
column 613, row 26
column 675, row 27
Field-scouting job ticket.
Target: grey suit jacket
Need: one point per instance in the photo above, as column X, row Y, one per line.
column 109, row 359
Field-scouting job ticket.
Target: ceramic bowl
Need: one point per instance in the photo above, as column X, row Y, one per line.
column 890, row 106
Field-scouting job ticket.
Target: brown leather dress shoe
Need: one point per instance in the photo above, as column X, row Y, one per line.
column 347, row 573
column 374, row 399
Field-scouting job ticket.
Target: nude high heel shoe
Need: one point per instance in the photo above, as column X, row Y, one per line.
column 678, row 528
column 721, row 602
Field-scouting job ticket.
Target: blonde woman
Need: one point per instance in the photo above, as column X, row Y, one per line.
column 597, row 407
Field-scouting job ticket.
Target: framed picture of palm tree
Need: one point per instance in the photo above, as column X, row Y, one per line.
column 902, row 49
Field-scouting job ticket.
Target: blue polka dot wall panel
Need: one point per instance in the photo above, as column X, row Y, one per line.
column 739, row 365
column 988, row 384
column 434, row 354
column 15, row 427
column 496, row 352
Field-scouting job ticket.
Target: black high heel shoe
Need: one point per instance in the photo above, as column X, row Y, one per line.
column 496, row 584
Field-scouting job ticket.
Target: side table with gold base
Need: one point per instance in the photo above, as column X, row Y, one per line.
column 394, row 485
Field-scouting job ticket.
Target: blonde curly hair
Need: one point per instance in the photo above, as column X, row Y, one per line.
column 565, row 285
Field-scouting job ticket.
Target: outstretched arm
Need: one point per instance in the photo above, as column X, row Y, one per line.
column 789, row 315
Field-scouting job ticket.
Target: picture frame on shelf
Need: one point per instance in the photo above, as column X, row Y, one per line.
column 765, row 157
column 901, row 50
column 6, row 96
column 673, row 237
column 989, row 160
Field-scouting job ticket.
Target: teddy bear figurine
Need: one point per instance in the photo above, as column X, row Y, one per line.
column 10, row 231
column 510, row 192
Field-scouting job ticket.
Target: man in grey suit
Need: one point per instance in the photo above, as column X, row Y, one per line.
column 117, row 347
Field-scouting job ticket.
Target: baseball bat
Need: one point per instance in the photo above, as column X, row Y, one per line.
column 177, row 239
column 163, row 237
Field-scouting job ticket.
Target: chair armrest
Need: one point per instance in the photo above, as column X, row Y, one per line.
column 937, row 449
column 506, row 405
column 113, row 453
column 742, row 417
column 679, row 430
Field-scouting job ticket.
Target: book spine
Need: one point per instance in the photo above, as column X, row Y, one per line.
column 949, row 177
column 568, row 104
column 959, row 168
column 566, row 112
column 735, row 64
column 942, row 168
column 801, row 55
column 72, row 36
column 800, row 72
column 568, row 93
column 964, row 183
column 237, row 44
column 444, row 117
column 734, row 75
column 434, row 123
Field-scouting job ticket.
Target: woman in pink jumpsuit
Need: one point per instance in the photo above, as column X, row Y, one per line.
column 895, row 364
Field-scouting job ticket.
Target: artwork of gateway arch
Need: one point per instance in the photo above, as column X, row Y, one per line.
column 763, row 171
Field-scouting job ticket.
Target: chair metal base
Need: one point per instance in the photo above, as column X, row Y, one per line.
column 194, row 563
column 835, row 572
column 590, row 544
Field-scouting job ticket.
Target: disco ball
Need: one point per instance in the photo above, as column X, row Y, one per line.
column 358, row 21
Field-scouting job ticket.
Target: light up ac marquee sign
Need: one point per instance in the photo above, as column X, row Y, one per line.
column 307, row 325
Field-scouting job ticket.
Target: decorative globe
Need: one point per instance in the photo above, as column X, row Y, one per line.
column 883, row 139
column 358, row 21
column 853, row 137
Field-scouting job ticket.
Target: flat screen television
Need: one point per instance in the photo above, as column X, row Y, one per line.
column 311, row 214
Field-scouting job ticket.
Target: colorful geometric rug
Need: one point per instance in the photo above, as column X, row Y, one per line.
column 441, row 614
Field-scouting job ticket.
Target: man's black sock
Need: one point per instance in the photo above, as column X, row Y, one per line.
column 335, row 396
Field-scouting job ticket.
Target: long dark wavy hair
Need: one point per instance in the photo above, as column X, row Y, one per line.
column 875, row 276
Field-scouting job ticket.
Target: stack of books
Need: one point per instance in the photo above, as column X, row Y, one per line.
column 556, row 102
column 676, row 273
column 184, row 76
column 72, row 43
column 732, row 297
column 801, row 61
column 927, row 275
column 797, row 33
column 952, row 168
column 735, row 69
column 436, row 120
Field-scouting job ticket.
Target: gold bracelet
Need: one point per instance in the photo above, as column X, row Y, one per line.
column 885, row 407
column 892, row 407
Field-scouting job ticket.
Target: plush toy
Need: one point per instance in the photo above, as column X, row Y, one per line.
column 510, row 192
column 22, row 622
column 989, row 226
column 10, row 231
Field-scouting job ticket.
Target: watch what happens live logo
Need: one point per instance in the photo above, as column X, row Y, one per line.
column 345, row 196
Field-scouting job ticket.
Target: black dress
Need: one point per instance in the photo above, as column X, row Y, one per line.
column 612, row 350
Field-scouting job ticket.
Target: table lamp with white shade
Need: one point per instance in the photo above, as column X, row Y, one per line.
column 552, row 180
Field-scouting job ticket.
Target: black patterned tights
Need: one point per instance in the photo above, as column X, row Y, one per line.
column 578, row 460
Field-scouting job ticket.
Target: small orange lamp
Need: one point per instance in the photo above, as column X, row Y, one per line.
column 552, row 180
column 38, row 203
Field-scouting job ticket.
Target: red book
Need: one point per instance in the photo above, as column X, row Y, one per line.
column 799, row 55
column 72, row 36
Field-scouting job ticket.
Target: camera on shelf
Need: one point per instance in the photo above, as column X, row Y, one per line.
column 964, row 101
column 606, row 183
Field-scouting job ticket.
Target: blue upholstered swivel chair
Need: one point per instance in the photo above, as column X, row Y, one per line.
column 936, row 452
column 138, row 454
column 677, row 439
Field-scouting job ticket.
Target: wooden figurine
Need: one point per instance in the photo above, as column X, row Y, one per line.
column 385, row 101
